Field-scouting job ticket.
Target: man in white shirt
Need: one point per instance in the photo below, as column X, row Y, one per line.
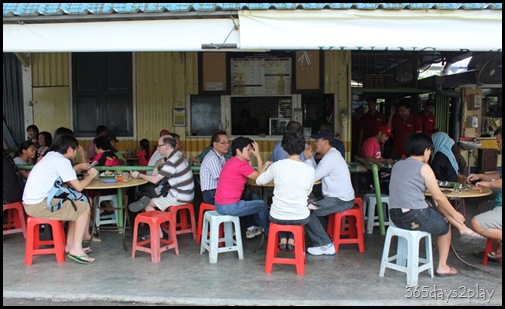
column 338, row 193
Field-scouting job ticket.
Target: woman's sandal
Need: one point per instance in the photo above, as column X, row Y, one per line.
column 452, row 272
column 283, row 245
column 494, row 256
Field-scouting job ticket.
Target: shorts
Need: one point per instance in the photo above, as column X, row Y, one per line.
column 490, row 219
column 427, row 219
column 164, row 202
column 65, row 213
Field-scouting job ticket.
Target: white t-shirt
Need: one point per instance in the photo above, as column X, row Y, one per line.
column 42, row 177
column 293, row 183
column 154, row 158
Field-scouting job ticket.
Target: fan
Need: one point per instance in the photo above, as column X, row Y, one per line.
column 488, row 70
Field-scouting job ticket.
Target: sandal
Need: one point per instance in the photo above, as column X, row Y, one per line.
column 494, row 256
column 452, row 272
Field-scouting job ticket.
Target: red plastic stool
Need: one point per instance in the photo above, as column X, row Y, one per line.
column 355, row 219
column 33, row 241
column 273, row 249
column 358, row 203
column 155, row 219
column 182, row 224
column 203, row 208
column 489, row 245
column 16, row 222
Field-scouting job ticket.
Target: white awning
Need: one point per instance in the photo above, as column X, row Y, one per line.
column 155, row 35
column 411, row 30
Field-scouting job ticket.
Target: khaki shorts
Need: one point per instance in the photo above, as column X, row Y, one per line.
column 65, row 213
column 164, row 202
column 491, row 219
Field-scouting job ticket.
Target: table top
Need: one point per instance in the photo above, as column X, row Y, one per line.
column 98, row 184
column 473, row 192
column 102, row 168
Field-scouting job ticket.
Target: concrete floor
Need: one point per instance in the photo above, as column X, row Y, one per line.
column 347, row 278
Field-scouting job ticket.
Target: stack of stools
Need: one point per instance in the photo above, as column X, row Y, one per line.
column 103, row 219
column 155, row 219
column 353, row 218
column 210, row 241
column 370, row 204
column 407, row 254
column 16, row 222
column 182, row 226
column 272, row 249
column 33, row 241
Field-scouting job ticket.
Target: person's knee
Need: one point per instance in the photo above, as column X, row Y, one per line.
column 476, row 226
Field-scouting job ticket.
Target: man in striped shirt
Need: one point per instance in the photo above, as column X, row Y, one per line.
column 176, row 170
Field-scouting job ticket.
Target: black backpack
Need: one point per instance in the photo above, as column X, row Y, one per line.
column 13, row 181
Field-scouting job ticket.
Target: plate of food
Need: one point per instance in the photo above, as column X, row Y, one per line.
column 109, row 180
column 446, row 184
column 107, row 174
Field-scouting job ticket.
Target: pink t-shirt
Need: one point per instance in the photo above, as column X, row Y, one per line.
column 232, row 180
column 372, row 148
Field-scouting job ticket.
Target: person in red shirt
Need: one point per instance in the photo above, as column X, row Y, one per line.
column 371, row 149
column 403, row 125
column 427, row 118
column 370, row 122
column 144, row 153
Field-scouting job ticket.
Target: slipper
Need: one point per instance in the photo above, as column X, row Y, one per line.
column 494, row 256
column 474, row 239
column 80, row 259
column 94, row 240
column 453, row 272
column 86, row 250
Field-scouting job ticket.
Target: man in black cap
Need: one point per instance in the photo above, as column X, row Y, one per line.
column 338, row 193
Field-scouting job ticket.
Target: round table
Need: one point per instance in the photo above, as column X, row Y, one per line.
column 99, row 184
column 458, row 197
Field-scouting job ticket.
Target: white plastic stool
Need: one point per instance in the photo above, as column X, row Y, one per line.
column 369, row 205
column 407, row 254
column 210, row 241
column 101, row 219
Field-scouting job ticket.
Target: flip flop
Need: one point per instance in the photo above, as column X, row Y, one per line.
column 453, row 272
column 474, row 239
column 493, row 256
column 87, row 250
column 94, row 240
column 80, row 259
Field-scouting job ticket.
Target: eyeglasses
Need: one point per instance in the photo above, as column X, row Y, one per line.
column 224, row 143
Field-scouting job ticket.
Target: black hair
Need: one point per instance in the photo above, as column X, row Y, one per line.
column 101, row 129
column 240, row 143
column 144, row 144
column 293, row 143
column 34, row 128
column 404, row 103
column 497, row 131
column 24, row 145
column 215, row 136
column 48, row 138
column 101, row 142
column 294, row 126
column 63, row 142
column 60, row 132
column 417, row 143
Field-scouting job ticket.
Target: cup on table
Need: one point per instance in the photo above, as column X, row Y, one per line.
column 125, row 176
column 119, row 176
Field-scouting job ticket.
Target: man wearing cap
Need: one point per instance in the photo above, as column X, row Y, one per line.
column 371, row 149
column 338, row 193
column 427, row 118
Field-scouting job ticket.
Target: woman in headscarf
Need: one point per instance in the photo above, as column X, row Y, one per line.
column 443, row 161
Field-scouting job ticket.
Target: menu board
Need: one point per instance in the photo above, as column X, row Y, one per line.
column 261, row 76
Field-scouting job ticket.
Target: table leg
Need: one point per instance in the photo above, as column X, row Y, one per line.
column 120, row 210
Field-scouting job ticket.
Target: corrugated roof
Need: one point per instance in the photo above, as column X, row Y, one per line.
column 83, row 9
